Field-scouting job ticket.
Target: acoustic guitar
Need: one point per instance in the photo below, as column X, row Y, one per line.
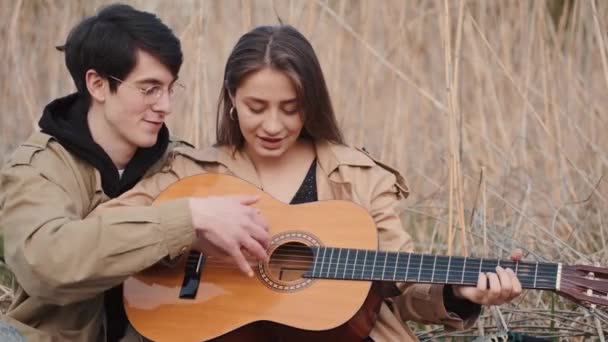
column 317, row 283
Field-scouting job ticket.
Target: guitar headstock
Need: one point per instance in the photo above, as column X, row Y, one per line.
column 585, row 284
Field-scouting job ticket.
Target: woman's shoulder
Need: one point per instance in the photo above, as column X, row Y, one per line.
column 351, row 163
column 340, row 154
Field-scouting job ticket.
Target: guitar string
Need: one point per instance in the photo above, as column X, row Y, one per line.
column 599, row 296
column 543, row 270
column 307, row 252
column 549, row 276
column 523, row 268
column 472, row 276
column 469, row 280
column 460, row 259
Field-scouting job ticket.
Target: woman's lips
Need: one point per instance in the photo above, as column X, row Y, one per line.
column 271, row 143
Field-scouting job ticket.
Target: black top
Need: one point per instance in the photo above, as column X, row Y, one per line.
column 308, row 190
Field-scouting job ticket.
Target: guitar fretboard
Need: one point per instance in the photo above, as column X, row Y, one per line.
column 358, row 264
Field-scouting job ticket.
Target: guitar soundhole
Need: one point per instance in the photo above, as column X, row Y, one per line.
column 290, row 258
column 290, row 261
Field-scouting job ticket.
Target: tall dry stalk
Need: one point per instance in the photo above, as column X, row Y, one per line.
column 439, row 89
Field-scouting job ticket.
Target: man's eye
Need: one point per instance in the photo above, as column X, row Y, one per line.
column 151, row 91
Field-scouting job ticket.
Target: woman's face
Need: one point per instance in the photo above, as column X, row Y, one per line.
column 268, row 113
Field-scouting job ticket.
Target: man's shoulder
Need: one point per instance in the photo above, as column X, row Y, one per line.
column 45, row 154
column 176, row 142
column 210, row 154
column 25, row 152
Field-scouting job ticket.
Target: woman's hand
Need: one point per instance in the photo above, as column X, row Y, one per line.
column 493, row 288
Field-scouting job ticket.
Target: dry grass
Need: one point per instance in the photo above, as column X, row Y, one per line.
column 494, row 110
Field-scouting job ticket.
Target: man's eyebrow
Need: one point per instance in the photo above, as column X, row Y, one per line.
column 153, row 81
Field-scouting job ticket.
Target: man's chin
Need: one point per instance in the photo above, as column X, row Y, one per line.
column 146, row 143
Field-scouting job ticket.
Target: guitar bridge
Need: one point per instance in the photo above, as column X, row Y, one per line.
column 192, row 275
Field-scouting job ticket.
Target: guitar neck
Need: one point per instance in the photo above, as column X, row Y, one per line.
column 358, row 264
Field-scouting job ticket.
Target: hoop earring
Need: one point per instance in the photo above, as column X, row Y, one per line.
column 231, row 114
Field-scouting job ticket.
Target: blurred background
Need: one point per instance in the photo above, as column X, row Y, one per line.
column 496, row 112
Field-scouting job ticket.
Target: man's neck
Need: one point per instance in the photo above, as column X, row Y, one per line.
column 119, row 150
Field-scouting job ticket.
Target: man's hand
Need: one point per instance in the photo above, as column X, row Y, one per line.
column 503, row 286
column 228, row 225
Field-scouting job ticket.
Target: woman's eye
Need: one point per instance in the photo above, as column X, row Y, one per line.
column 291, row 110
column 256, row 110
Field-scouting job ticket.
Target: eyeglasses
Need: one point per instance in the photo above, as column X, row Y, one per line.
column 152, row 94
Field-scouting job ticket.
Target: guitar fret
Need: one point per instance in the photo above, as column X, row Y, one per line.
column 338, row 264
column 407, row 267
column 329, row 264
column 200, row 261
column 344, row 273
column 384, row 268
column 434, row 266
column 396, row 263
column 355, row 266
column 420, row 268
column 535, row 273
column 364, row 261
column 464, row 267
column 322, row 261
column 447, row 273
column 374, row 265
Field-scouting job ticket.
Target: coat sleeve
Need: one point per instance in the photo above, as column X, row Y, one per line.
column 60, row 256
column 417, row 302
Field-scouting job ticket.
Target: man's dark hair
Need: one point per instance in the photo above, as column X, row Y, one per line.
column 108, row 43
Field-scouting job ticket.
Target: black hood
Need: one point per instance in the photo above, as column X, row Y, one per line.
column 66, row 120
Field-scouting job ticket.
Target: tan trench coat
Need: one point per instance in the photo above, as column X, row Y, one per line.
column 342, row 173
column 64, row 261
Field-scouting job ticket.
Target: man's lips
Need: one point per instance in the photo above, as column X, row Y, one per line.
column 154, row 122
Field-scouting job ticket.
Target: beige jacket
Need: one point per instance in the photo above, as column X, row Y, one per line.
column 64, row 261
column 342, row 173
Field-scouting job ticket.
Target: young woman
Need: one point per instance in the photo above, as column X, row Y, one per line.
column 277, row 130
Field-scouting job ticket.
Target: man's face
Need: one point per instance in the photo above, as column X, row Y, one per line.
column 135, row 117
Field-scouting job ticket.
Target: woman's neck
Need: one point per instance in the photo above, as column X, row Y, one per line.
column 303, row 150
column 282, row 177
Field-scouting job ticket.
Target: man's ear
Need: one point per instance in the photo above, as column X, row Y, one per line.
column 96, row 85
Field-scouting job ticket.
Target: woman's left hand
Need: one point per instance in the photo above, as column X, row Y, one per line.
column 493, row 288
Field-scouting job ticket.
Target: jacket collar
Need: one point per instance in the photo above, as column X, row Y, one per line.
column 331, row 156
column 237, row 162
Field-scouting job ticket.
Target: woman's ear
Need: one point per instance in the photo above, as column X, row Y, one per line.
column 96, row 85
column 231, row 96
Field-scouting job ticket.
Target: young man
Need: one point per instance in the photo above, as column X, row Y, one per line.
column 94, row 145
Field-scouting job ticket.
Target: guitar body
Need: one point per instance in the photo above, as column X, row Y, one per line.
column 276, row 302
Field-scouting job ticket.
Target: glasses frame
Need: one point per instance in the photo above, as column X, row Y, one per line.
column 152, row 94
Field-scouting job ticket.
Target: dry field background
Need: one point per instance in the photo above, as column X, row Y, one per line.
column 495, row 111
